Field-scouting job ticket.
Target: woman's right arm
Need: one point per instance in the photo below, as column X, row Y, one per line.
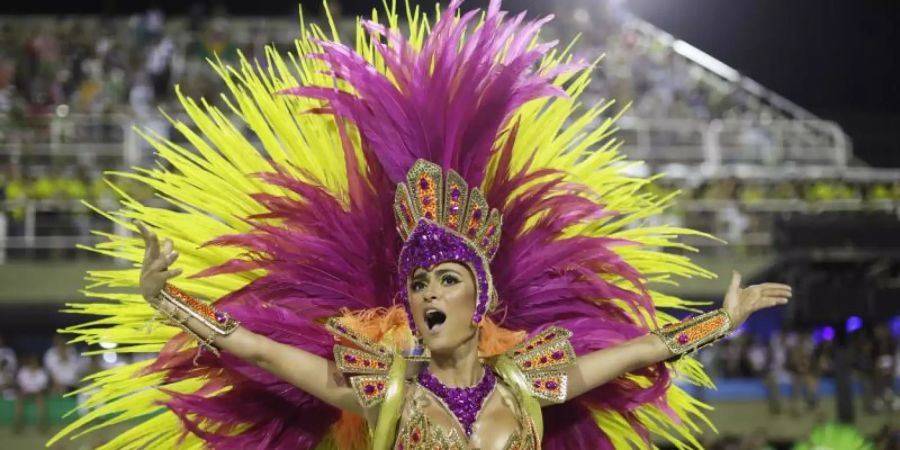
column 317, row 376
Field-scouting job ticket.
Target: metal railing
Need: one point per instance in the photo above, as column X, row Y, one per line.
column 727, row 142
column 29, row 228
column 105, row 142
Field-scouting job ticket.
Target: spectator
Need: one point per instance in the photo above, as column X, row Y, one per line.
column 64, row 365
column 777, row 371
column 885, row 365
column 8, row 366
column 804, row 380
column 32, row 381
column 754, row 356
column 864, row 367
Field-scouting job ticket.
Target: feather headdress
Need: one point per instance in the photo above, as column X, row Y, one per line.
column 300, row 227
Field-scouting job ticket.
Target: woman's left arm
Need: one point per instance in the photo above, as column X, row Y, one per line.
column 597, row 368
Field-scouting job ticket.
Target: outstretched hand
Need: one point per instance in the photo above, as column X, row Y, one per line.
column 741, row 302
column 155, row 270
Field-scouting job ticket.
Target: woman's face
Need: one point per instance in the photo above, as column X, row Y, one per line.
column 442, row 301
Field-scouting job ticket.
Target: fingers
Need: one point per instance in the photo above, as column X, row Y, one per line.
column 171, row 273
column 735, row 281
column 145, row 235
column 776, row 286
column 768, row 301
column 771, row 289
column 167, row 247
column 162, row 262
column 151, row 243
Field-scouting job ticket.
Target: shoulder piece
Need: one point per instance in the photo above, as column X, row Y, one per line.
column 337, row 328
column 544, row 360
column 367, row 362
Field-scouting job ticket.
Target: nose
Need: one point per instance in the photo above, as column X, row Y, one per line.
column 430, row 293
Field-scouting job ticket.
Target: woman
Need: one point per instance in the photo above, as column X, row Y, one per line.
column 443, row 301
column 331, row 331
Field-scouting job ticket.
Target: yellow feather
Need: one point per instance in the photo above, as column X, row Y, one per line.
column 206, row 186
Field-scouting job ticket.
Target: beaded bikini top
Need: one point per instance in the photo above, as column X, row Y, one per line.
column 539, row 365
column 418, row 433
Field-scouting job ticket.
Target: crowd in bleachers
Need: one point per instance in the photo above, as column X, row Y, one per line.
column 54, row 69
column 114, row 66
column 34, row 377
column 744, row 211
column 802, row 359
column 641, row 66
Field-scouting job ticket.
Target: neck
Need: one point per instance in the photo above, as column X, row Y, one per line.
column 459, row 367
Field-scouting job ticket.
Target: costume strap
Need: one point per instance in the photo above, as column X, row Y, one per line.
column 695, row 332
column 179, row 307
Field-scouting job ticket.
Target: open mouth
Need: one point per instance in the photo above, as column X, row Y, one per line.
column 434, row 318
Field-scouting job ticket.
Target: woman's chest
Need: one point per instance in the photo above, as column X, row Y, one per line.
column 428, row 422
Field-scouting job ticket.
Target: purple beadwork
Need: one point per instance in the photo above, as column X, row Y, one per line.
column 430, row 244
column 464, row 403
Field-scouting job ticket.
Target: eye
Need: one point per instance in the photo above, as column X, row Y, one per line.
column 449, row 280
column 417, row 286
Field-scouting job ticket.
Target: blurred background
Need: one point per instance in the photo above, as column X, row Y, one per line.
column 777, row 123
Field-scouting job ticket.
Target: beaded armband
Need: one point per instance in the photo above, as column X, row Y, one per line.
column 688, row 335
column 185, row 307
column 544, row 360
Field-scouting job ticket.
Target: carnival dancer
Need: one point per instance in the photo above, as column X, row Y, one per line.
column 513, row 308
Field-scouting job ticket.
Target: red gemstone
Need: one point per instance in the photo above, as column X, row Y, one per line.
column 527, row 364
column 682, row 338
column 558, row 354
column 543, row 360
column 552, row 385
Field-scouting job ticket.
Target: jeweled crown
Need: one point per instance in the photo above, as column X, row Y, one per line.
column 450, row 204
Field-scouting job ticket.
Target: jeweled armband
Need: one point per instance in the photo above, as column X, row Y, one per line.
column 184, row 307
column 690, row 334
